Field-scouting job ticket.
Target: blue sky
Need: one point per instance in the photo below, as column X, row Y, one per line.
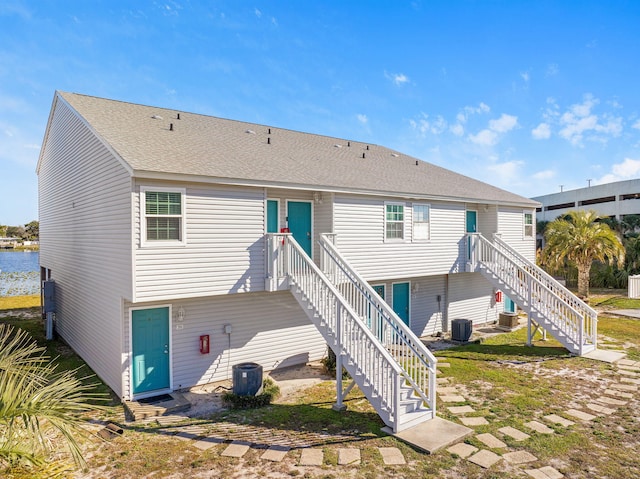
column 525, row 95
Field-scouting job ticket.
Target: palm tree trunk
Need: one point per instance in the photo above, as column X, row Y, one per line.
column 583, row 279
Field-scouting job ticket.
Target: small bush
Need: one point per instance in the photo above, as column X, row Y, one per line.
column 270, row 391
column 329, row 363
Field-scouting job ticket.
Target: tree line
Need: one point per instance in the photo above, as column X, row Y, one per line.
column 27, row 232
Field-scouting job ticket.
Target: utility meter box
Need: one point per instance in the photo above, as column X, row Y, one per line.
column 49, row 289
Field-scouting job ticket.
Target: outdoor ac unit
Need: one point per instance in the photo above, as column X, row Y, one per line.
column 461, row 329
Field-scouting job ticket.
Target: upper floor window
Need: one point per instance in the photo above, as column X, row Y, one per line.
column 394, row 221
column 163, row 215
column 528, row 225
column 420, row 222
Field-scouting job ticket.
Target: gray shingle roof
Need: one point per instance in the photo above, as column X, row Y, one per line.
column 232, row 150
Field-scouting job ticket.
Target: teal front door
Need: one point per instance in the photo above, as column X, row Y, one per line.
column 299, row 223
column 471, row 227
column 401, row 301
column 150, row 347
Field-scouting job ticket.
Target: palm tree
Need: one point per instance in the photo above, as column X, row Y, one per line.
column 580, row 239
column 38, row 406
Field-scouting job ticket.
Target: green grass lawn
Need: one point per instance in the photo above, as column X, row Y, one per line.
column 506, row 381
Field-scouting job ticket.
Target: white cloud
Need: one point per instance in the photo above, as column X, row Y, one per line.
column 397, row 78
column 467, row 111
column 541, row 132
column 457, row 129
column 506, row 172
column 489, row 136
column 258, row 13
column 626, row 170
column 504, row 123
column 525, row 76
column 579, row 122
column 485, row 138
column 544, row 175
column 423, row 125
column 552, row 70
column 636, row 125
column 362, row 118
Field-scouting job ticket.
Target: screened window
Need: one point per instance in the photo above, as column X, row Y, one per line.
column 528, row 225
column 394, row 221
column 163, row 212
column 420, row 222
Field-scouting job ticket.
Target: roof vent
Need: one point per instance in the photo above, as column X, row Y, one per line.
column 367, row 147
column 268, row 140
column 177, row 116
column 348, row 143
column 156, row 117
column 337, row 146
column 269, row 130
column 416, row 162
column 170, row 126
column 251, row 132
column 363, row 154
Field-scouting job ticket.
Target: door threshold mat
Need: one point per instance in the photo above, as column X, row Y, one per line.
column 156, row 399
column 157, row 406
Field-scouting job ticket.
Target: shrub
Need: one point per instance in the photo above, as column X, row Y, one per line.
column 270, row 391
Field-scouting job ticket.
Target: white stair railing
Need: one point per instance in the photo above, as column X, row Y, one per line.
column 365, row 358
column 539, row 294
column 550, row 282
column 417, row 362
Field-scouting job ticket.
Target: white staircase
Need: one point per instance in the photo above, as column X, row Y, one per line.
column 547, row 303
column 390, row 365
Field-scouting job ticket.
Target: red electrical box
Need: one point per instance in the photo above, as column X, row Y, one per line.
column 284, row 230
column 498, row 296
column 204, row 344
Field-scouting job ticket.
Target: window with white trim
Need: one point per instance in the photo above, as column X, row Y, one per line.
column 528, row 225
column 421, row 222
column 394, row 221
column 163, row 215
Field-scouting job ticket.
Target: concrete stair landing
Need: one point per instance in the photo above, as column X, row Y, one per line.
column 140, row 411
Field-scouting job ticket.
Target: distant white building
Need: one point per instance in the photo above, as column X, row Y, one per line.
column 611, row 199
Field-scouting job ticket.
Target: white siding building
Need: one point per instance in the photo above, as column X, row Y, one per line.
column 162, row 227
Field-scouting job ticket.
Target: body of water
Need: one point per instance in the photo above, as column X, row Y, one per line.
column 19, row 272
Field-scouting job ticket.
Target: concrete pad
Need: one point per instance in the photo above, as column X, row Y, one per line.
column 544, row 473
column 583, row 416
column 348, row 456
column 618, row 394
column 539, row 427
column 600, row 409
column 432, row 435
column 463, row 450
column 448, row 390
column 629, row 374
column 444, row 365
column 555, row 419
column 624, row 387
column 442, row 380
column 630, row 381
column 207, row 443
column 460, row 409
column 551, row 472
column 452, row 398
column 474, row 421
column 236, row 449
column 628, row 362
column 514, row 433
column 606, row 355
column 611, row 401
column 490, row 441
column 519, row 457
column 275, row 453
column 392, row 456
column 484, row 458
column 629, row 367
column 311, row 457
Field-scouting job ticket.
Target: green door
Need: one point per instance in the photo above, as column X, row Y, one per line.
column 472, row 221
column 150, row 344
column 401, row 301
column 472, row 227
column 272, row 216
column 299, row 223
column 509, row 305
column 375, row 321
